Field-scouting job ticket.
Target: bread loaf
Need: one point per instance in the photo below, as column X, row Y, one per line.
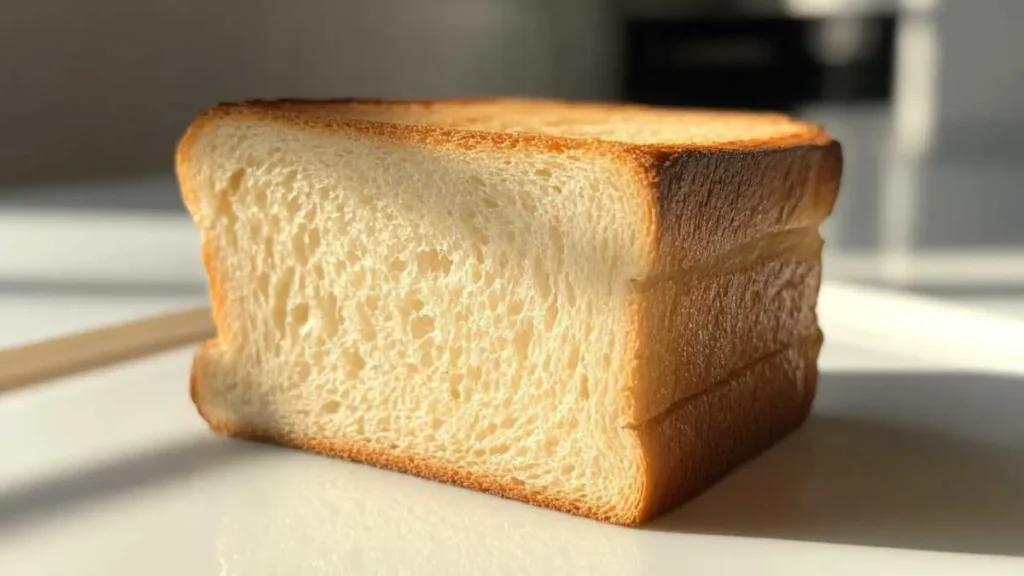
column 600, row 309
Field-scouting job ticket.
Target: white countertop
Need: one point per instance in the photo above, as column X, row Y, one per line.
column 912, row 462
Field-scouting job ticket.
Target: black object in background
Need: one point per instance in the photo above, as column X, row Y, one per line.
column 758, row 63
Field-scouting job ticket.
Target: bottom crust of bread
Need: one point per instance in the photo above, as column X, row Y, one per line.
column 727, row 426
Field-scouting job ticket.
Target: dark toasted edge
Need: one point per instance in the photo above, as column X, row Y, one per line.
column 796, row 185
column 778, row 190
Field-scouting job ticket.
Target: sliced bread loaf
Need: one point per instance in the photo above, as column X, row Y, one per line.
column 597, row 308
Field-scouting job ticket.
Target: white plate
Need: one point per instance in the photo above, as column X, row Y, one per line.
column 913, row 462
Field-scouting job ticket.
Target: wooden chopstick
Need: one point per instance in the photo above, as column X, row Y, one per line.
column 34, row 363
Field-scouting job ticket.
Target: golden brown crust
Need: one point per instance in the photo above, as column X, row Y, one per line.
column 328, row 116
column 712, row 201
column 737, row 239
column 753, row 301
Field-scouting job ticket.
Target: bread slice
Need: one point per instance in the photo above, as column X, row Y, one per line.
column 600, row 309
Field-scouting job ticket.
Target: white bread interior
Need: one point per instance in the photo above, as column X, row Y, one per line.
column 507, row 294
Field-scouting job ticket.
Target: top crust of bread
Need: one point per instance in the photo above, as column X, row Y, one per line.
column 659, row 166
column 332, row 115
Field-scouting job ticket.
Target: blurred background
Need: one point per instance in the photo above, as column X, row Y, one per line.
column 927, row 97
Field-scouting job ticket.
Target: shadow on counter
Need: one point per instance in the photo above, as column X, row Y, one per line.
column 920, row 461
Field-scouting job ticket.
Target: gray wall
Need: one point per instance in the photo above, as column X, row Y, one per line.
column 965, row 188
column 100, row 88
column 973, row 190
column 982, row 56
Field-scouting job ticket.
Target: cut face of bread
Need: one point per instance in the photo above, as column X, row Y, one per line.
column 599, row 309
